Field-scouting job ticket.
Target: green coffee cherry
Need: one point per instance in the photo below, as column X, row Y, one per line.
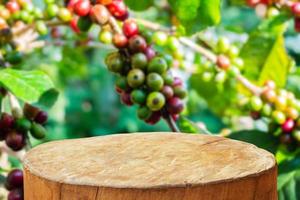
column 155, row 101
column 155, row 82
column 138, row 96
column 139, row 61
column 144, row 113
column 105, row 37
column 52, row 10
column 160, row 38
column 135, row 78
column 114, row 62
column 278, row 117
column 38, row 131
column 41, row 28
column 223, row 45
column 23, row 124
column 256, row 103
column 158, row 65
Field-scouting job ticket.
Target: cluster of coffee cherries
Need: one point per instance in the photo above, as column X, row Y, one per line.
column 14, row 130
column 227, row 64
column 282, row 108
column 144, row 77
column 14, row 184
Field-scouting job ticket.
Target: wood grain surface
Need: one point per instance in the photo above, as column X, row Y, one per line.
column 146, row 166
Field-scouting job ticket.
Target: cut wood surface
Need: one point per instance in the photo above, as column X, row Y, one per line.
column 146, row 166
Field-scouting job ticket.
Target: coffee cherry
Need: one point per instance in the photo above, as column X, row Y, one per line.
column 121, row 83
column 135, row 78
column 288, row 126
column 114, row 62
column 223, row 45
column 280, row 103
column 41, row 117
column 295, row 8
column 175, row 106
column 267, row 110
column 14, row 179
column 297, row 24
column 154, row 118
column 16, row 194
column 82, row 8
column 138, row 96
column 168, row 79
column 149, row 52
column 7, row 121
column 84, row 23
column 269, row 95
column 14, row 140
column 180, row 92
column 233, row 52
column 252, row 3
column 64, row 15
column 41, row 28
column 256, row 103
column 296, row 135
column 118, row 9
column 74, row 26
column 12, row 6
column 30, row 111
column 99, row 14
column 155, row 101
column 130, row 28
column 269, row 84
column 173, row 43
column 104, row 2
column 223, row 62
column 177, row 82
column 292, row 113
column 255, row 115
column 126, row 99
column 139, row 61
column 144, row 113
column 105, row 37
column 71, row 5
column 38, row 131
column 23, row 124
column 160, row 38
column 278, row 117
column 155, row 81
column 158, row 65
column 52, row 10
column 167, row 91
column 137, row 44
column 120, row 40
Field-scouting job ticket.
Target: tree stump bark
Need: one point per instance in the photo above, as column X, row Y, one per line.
column 149, row 166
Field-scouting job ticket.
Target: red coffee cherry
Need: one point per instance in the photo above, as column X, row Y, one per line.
column 149, row 52
column 15, row 140
column 74, row 26
column 14, row 179
column 13, row 6
column 130, row 28
column 120, row 40
column 288, row 126
column 126, row 98
column 41, row 117
column 175, row 105
column 7, row 121
column 223, row 62
column 82, row 7
column 118, row 9
column 16, row 194
column 154, row 118
column 297, row 24
column 137, row 44
column 295, row 8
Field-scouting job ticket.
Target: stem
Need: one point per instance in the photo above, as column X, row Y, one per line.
column 171, row 123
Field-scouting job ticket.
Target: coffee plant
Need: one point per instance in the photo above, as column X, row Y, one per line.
column 163, row 67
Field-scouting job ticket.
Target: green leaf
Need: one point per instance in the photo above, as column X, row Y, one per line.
column 261, row 139
column 187, row 126
column 196, row 15
column 264, row 54
column 139, row 5
column 48, row 99
column 28, row 86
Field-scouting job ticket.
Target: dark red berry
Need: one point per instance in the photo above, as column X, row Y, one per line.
column 154, row 118
column 255, row 115
column 223, row 62
column 120, row 40
column 130, row 28
column 123, row 17
column 118, row 9
column 71, row 4
column 16, row 194
column 7, row 121
column 41, row 117
column 14, row 179
column 14, row 140
column 288, row 126
column 118, row 90
column 297, row 24
column 149, row 52
column 175, row 117
column 167, row 91
column 126, row 99
column 286, row 139
column 82, row 7
column 175, row 105
column 137, row 44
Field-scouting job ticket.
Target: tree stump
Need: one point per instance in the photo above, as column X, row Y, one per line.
column 149, row 166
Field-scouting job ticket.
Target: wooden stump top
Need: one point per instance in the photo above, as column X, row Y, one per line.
column 147, row 160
